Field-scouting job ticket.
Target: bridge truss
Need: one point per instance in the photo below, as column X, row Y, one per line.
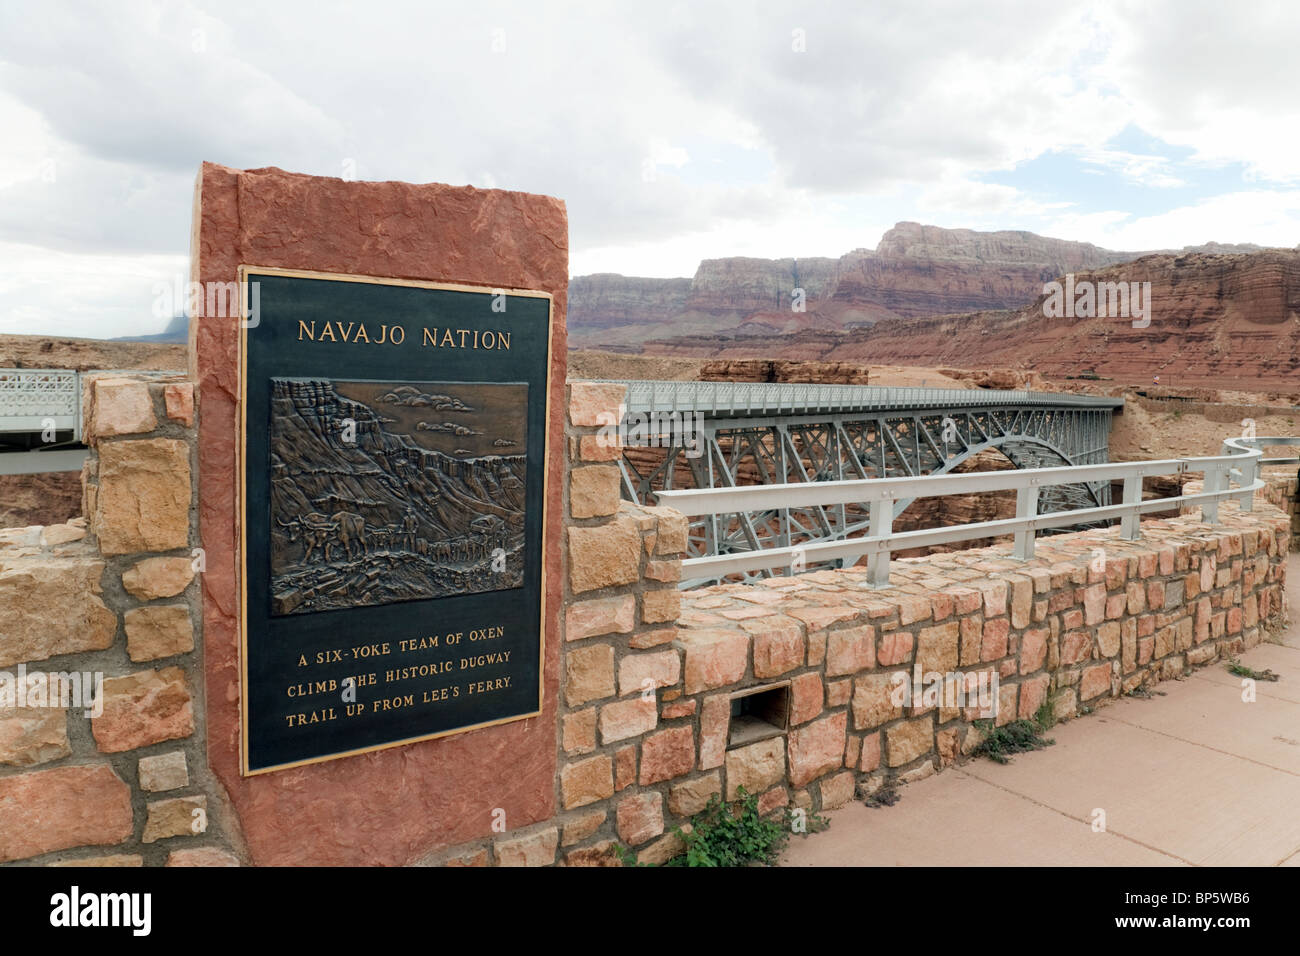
column 717, row 435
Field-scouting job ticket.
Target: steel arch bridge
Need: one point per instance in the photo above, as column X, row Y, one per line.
column 721, row 434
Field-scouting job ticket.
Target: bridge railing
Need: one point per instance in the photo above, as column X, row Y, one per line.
column 766, row 398
column 1238, row 464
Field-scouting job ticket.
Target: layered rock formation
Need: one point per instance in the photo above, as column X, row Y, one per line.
column 915, row 270
column 1217, row 321
column 761, row 370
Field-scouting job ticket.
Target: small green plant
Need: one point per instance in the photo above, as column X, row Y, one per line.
column 1241, row 670
column 1019, row 736
column 734, row 834
column 731, row 835
column 1045, row 715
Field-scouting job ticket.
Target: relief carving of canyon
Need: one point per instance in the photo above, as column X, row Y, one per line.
column 387, row 491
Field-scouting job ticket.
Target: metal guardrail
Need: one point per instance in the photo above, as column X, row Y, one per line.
column 34, row 400
column 761, row 398
column 1240, row 461
column 1268, row 442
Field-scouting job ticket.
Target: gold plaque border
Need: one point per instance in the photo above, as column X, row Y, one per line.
column 241, row 511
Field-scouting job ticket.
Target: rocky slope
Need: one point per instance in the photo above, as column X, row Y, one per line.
column 1219, row 321
column 915, row 270
column 39, row 351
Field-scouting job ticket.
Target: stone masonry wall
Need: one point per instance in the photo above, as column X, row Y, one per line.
column 649, row 673
column 1279, row 491
column 642, row 735
column 1283, row 494
column 112, row 593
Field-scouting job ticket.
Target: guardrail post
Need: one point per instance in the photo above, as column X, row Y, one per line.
column 1214, row 481
column 881, row 523
column 1130, row 525
column 1248, row 468
column 1026, row 507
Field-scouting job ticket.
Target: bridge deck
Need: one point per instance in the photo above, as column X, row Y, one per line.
column 760, row 399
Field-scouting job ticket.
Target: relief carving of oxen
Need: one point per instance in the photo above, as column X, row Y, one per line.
column 318, row 533
column 351, row 533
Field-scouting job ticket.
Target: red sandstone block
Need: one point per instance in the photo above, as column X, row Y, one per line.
column 805, row 698
column 47, row 810
column 817, row 748
column 144, row 708
column 1095, row 681
column 678, row 709
column 941, row 605
column 838, row 692
column 1137, row 597
column 715, row 723
column 1076, row 646
column 714, row 658
column 592, row 404
column 972, row 639
column 848, row 651
column 1060, row 601
column 776, row 652
column 1208, row 568
column 995, row 597
column 1033, row 650
column 895, row 648
column 912, row 608
column 624, row 768
column 773, row 799
column 994, row 645
column 1147, row 563
column 667, row 754
column 628, row 718
column 1032, row 694
column 966, row 600
column 179, row 400
column 640, row 817
column 1093, row 599
column 869, row 758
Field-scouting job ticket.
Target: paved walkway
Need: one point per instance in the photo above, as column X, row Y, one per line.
column 1194, row 777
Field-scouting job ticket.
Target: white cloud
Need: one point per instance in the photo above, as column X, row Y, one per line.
column 1266, row 217
column 889, row 113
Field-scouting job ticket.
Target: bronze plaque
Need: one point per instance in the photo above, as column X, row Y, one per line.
column 393, row 450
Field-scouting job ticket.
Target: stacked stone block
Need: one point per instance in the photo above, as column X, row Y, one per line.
column 1282, row 492
column 112, row 593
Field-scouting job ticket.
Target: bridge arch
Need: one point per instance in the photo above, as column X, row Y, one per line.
column 726, row 434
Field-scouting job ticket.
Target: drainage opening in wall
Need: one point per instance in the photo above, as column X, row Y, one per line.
column 759, row 713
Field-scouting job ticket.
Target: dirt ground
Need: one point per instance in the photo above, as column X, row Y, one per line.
column 616, row 366
column 34, row 351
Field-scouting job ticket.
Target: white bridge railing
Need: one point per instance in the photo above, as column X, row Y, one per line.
column 1238, row 464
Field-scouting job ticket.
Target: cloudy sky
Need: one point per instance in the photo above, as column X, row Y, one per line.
column 674, row 132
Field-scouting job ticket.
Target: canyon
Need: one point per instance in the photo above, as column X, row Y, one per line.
column 915, row 270
column 1223, row 321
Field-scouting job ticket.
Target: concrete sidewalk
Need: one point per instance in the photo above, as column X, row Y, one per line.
column 1193, row 777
